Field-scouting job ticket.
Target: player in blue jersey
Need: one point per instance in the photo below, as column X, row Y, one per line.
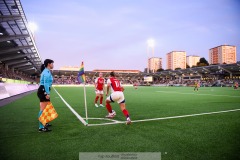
column 43, row 93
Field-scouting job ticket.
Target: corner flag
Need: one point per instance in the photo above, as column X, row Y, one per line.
column 81, row 75
column 82, row 79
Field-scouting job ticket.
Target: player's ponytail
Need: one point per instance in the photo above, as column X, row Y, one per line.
column 42, row 67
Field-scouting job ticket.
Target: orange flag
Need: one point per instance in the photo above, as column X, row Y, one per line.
column 48, row 114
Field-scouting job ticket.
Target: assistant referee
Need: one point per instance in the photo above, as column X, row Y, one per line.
column 43, row 93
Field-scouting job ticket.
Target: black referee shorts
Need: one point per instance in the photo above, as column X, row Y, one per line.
column 42, row 94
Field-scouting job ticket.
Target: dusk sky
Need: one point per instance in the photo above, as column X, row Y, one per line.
column 113, row 34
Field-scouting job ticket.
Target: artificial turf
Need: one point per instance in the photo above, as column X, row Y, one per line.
column 214, row 136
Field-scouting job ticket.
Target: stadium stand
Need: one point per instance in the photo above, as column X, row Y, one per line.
column 70, row 76
column 9, row 74
column 213, row 75
column 19, row 56
column 20, row 61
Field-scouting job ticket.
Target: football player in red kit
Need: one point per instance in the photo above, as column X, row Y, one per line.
column 99, row 87
column 116, row 96
column 135, row 85
column 236, row 85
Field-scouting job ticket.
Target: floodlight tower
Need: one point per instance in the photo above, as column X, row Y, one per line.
column 150, row 49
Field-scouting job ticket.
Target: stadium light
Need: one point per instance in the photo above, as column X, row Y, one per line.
column 32, row 26
column 150, row 46
column 151, row 43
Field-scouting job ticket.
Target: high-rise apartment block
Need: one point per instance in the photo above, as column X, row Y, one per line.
column 192, row 60
column 154, row 64
column 223, row 54
column 176, row 59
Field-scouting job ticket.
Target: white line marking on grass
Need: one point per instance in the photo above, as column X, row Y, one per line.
column 107, row 119
column 115, row 120
column 104, row 124
column 73, row 111
column 190, row 115
column 173, row 117
column 199, row 94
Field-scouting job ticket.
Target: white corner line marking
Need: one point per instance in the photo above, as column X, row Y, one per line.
column 73, row 111
column 190, row 115
column 107, row 119
column 163, row 118
column 104, row 124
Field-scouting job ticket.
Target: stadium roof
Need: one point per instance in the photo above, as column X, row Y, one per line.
column 17, row 46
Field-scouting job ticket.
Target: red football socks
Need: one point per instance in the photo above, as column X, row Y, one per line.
column 109, row 107
column 125, row 112
column 101, row 100
column 96, row 99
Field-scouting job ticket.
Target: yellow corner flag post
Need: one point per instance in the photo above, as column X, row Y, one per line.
column 82, row 79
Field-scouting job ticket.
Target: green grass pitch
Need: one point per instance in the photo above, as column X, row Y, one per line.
column 213, row 136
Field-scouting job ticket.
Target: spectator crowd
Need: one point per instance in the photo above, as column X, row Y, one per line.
column 10, row 74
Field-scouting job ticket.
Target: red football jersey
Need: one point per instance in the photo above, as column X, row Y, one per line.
column 99, row 83
column 115, row 84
